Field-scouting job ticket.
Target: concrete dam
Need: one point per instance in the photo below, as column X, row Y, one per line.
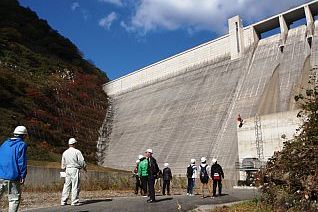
column 186, row 106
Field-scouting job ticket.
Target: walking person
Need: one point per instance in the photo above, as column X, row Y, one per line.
column 191, row 175
column 72, row 161
column 153, row 170
column 217, row 175
column 204, row 176
column 13, row 166
column 143, row 174
column 167, row 177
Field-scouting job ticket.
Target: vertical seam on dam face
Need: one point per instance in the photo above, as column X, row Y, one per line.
column 191, row 112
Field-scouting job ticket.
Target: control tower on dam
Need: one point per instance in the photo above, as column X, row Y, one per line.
column 186, row 106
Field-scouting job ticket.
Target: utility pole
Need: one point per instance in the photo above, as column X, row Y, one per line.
column 259, row 139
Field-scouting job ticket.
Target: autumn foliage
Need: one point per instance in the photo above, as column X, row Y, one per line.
column 290, row 179
column 46, row 85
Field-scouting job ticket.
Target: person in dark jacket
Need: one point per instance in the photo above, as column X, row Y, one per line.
column 137, row 179
column 13, row 166
column 153, row 170
column 167, row 177
column 217, row 175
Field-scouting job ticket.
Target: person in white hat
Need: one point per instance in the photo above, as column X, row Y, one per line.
column 13, row 166
column 191, row 175
column 72, row 161
column 217, row 175
column 204, row 175
column 143, row 174
column 135, row 173
column 167, row 177
column 152, row 175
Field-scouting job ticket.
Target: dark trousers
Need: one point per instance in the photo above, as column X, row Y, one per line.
column 144, row 184
column 219, row 184
column 166, row 184
column 151, row 184
column 137, row 185
column 190, row 185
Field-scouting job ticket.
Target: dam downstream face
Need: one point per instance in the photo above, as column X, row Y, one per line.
column 193, row 113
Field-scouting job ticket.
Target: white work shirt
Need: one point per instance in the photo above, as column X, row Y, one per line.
column 72, row 158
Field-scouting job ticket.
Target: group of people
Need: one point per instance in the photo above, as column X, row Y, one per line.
column 13, row 169
column 147, row 172
column 206, row 174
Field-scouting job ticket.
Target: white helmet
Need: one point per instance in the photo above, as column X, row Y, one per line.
column 137, row 161
column 192, row 160
column 203, row 159
column 20, row 130
column 166, row 164
column 72, row 141
column 213, row 160
column 149, row 150
column 140, row 156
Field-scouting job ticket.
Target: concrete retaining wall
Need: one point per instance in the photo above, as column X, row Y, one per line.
column 276, row 128
column 39, row 176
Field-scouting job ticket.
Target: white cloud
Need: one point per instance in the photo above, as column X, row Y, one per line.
column 75, row 5
column 107, row 21
column 195, row 15
column 115, row 2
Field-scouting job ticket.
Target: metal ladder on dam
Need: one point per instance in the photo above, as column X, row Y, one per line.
column 104, row 133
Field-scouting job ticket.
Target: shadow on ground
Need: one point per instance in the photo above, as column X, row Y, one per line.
column 91, row 201
column 164, row 199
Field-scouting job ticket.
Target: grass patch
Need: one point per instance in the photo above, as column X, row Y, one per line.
column 246, row 206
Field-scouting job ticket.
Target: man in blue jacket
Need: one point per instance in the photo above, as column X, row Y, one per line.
column 13, row 166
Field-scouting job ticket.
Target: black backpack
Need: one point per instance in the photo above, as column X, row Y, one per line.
column 204, row 174
column 189, row 171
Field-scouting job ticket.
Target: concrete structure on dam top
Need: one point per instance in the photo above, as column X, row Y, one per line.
column 186, row 106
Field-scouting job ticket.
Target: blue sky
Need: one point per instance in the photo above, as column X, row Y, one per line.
column 121, row 36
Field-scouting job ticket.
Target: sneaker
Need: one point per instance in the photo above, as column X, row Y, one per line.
column 187, row 194
column 144, row 196
column 63, row 204
column 76, row 204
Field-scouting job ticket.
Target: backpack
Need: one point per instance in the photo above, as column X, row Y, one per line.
column 189, row 171
column 204, row 177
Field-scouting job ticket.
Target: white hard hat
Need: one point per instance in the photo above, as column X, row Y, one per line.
column 213, row 160
column 20, row 130
column 203, row 159
column 149, row 150
column 72, row 141
column 137, row 161
column 140, row 156
column 166, row 164
column 192, row 160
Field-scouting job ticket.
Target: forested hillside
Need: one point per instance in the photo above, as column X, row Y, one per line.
column 46, row 85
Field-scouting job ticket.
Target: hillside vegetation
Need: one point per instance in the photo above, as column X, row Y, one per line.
column 290, row 179
column 46, row 85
